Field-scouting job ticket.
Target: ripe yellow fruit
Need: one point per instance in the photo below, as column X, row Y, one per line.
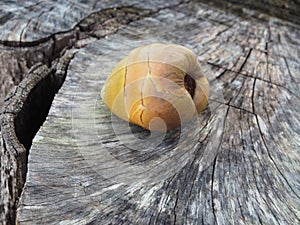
column 157, row 81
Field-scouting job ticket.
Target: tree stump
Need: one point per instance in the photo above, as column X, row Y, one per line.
column 237, row 163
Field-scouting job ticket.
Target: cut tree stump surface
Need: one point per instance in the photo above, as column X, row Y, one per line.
column 238, row 163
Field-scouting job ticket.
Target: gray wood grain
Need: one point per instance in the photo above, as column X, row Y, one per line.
column 32, row 20
column 238, row 163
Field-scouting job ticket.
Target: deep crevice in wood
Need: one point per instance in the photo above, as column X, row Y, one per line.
column 35, row 109
column 27, row 120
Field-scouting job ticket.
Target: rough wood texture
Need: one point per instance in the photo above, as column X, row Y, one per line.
column 238, row 163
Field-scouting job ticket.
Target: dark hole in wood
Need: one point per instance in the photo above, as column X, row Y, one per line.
column 35, row 109
column 190, row 84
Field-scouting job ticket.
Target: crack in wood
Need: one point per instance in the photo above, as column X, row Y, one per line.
column 255, row 179
column 88, row 24
column 214, row 167
column 212, row 190
column 245, row 61
column 253, row 169
column 264, row 141
column 174, row 207
column 247, row 75
column 233, row 106
column 289, row 71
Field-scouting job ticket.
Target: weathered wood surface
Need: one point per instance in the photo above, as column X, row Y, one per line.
column 240, row 163
column 44, row 64
column 26, row 25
